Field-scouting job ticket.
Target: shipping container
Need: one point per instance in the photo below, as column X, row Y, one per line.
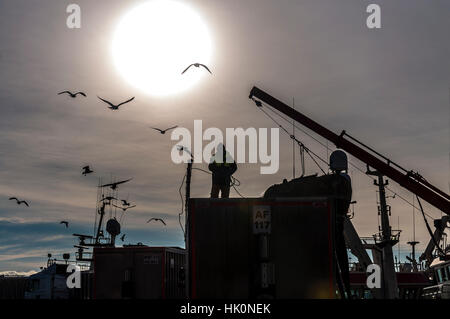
column 139, row 272
column 262, row 248
column 13, row 287
column 85, row 292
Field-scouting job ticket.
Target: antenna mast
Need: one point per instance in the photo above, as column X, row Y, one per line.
column 293, row 141
column 387, row 241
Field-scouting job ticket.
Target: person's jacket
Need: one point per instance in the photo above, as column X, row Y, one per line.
column 221, row 172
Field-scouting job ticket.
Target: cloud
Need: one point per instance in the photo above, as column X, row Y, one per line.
column 13, row 273
column 389, row 88
column 51, row 238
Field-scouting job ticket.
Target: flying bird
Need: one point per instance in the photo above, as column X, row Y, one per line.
column 122, row 238
column 108, row 198
column 113, row 106
column 124, row 208
column 125, row 202
column 72, row 95
column 87, row 170
column 19, row 201
column 197, row 65
column 164, row 131
column 114, row 185
column 156, row 219
column 65, row 223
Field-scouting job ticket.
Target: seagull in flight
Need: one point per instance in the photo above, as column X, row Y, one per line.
column 124, row 208
column 108, row 198
column 65, row 223
column 197, row 65
column 125, row 202
column 72, row 95
column 87, row 170
column 114, row 185
column 164, row 131
column 19, row 201
column 113, row 106
column 157, row 220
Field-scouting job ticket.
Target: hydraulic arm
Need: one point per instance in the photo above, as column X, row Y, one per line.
column 408, row 179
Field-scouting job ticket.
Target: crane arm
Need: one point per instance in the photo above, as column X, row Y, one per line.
column 411, row 182
column 440, row 225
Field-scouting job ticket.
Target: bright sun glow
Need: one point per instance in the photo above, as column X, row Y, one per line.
column 156, row 41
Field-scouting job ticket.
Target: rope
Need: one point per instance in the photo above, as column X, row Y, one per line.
column 234, row 181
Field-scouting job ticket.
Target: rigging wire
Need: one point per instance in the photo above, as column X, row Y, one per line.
column 259, row 104
column 307, row 150
column 302, row 160
column 96, row 204
column 182, row 205
column 429, row 228
column 291, row 136
column 298, row 128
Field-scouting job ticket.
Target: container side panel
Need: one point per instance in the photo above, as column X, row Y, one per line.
column 300, row 246
column 221, row 250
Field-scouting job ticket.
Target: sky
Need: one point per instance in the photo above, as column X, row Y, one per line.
column 388, row 87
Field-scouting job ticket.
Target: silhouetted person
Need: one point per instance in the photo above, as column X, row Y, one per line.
column 222, row 167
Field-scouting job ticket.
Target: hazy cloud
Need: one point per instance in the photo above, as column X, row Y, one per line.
column 389, row 88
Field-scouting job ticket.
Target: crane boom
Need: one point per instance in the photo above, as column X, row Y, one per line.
column 411, row 181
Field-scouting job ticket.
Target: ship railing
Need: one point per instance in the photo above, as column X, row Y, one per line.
column 83, row 266
column 379, row 237
column 399, row 267
column 86, row 255
column 409, row 267
column 368, row 240
column 356, row 267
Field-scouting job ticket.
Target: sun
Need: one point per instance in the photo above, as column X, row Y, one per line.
column 155, row 41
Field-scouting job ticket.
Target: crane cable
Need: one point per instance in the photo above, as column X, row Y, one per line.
column 302, row 160
column 294, row 138
column 306, row 149
column 259, row 104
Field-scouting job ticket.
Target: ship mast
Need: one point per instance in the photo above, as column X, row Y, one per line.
column 385, row 241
